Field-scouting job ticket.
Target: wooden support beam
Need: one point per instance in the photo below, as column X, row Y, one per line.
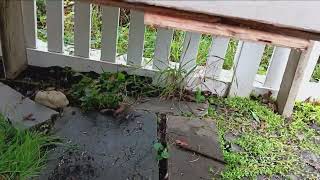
column 292, row 79
column 224, row 30
column 12, row 38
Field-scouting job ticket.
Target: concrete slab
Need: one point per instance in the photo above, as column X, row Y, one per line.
column 101, row 147
column 172, row 107
column 201, row 136
column 184, row 165
column 22, row 112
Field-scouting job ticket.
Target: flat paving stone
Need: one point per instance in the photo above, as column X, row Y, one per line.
column 100, row 147
column 201, row 136
column 172, row 107
column 22, row 111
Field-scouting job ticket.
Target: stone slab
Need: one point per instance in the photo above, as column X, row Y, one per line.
column 173, row 107
column 16, row 108
column 101, row 147
column 200, row 134
column 183, row 165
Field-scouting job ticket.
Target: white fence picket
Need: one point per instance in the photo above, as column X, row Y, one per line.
column 162, row 50
column 190, row 50
column 30, row 23
column 82, row 28
column 55, row 17
column 216, row 54
column 313, row 59
column 246, row 67
column 276, row 68
column 110, row 22
column 136, row 38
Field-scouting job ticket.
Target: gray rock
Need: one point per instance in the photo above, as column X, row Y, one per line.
column 52, row 99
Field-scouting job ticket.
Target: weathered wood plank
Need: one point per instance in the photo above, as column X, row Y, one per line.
column 55, row 27
column 82, row 28
column 293, row 78
column 110, row 21
column 246, row 69
column 12, row 38
column 225, row 30
column 190, row 50
column 136, row 38
column 276, row 68
column 162, row 50
column 216, row 56
column 30, row 23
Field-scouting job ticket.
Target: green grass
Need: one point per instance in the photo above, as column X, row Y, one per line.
column 270, row 145
column 22, row 153
column 150, row 37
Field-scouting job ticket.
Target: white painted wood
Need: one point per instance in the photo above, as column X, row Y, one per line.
column 162, row 50
column 246, row 69
column 216, row 55
column 293, row 79
column 190, row 50
column 309, row 90
column 82, row 28
column 312, row 62
column 237, row 55
column 136, row 38
column 46, row 59
column 55, row 21
column 30, row 23
column 110, row 21
column 276, row 68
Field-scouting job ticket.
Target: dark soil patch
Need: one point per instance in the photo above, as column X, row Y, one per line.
column 161, row 131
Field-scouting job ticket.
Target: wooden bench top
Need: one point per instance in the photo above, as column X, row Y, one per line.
column 209, row 17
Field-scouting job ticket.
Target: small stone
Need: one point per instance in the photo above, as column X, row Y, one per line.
column 316, row 139
column 315, row 127
column 52, row 99
column 230, row 137
column 236, row 148
column 300, row 137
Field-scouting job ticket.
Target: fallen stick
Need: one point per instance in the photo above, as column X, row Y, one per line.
column 186, row 147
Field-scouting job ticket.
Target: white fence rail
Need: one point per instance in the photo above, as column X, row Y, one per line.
column 241, row 80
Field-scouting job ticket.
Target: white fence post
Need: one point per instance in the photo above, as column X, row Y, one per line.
column 162, row 50
column 276, row 68
column 55, row 16
column 110, row 22
column 82, row 28
column 246, row 67
column 217, row 53
column 190, row 50
column 136, row 38
column 30, row 23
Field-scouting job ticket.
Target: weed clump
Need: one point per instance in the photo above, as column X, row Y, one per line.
column 22, row 153
column 109, row 90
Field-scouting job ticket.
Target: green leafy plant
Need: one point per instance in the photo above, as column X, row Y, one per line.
column 199, row 97
column 162, row 152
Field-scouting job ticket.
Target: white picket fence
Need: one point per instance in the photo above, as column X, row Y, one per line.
column 241, row 80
